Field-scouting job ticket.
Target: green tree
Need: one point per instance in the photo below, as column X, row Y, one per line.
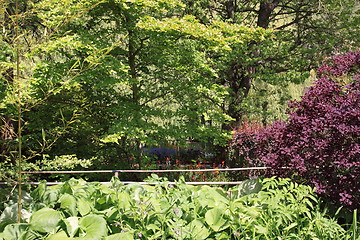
column 304, row 32
column 23, row 35
column 100, row 78
column 104, row 77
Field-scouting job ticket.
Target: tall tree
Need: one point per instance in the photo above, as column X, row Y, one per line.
column 117, row 74
column 105, row 76
column 305, row 31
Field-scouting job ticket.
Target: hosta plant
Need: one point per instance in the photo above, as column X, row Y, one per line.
column 256, row 209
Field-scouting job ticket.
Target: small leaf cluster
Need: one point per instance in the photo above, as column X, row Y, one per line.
column 319, row 143
column 255, row 209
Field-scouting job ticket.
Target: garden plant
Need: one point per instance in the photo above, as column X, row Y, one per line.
column 269, row 208
column 319, row 143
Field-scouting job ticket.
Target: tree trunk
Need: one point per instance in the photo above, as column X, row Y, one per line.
column 266, row 8
column 239, row 77
column 230, row 9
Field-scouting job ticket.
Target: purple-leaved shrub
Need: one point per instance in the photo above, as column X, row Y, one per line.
column 319, row 143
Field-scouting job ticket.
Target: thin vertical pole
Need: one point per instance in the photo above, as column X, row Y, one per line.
column 18, row 85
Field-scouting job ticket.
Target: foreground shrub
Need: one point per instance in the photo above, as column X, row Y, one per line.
column 256, row 209
column 319, row 143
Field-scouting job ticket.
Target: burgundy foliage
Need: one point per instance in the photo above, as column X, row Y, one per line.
column 319, row 143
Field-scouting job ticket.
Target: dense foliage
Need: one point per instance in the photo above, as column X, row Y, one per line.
column 319, row 143
column 96, row 83
column 103, row 78
column 98, row 79
column 256, row 209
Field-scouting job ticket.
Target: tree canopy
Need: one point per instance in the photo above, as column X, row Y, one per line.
column 98, row 79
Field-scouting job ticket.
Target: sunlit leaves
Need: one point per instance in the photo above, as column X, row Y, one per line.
column 57, row 13
column 45, row 220
column 93, row 226
column 218, row 34
column 275, row 207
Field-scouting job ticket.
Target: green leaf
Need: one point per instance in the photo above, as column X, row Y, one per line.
column 198, row 230
column 123, row 200
column 84, row 206
column 291, row 226
column 212, row 197
column 59, row 236
column 153, row 227
column 222, row 236
column 39, row 192
column 9, row 215
column 261, row 229
column 43, row 136
column 51, row 195
column 68, row 203
column 122, row 236
column 66, row 188
column 72, row 225
column 13, row 231
column 30, row 235
column 94, row 226
column 214, row 218
column 45, row 220
column 249, row 186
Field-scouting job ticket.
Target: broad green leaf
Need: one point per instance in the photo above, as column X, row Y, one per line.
column 206, row 201
column 198, row 230
column 249, row 186
column 123, row 200
column 45, row 220
column 214, row 218
column 13, row 231
column 59, row 236
column 51, row 195
column 84, row 206
column 68, row 203
column 122, row 236
column 212, row 197
column 72, row 225
column 66, row 188
column 164, row 205
column 252, row 211
column 39, row 192
column 137, row 191
column 93, row 226
column 9, row 215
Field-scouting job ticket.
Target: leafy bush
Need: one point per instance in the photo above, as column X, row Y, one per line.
column 319, row 143
column 256, row 209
